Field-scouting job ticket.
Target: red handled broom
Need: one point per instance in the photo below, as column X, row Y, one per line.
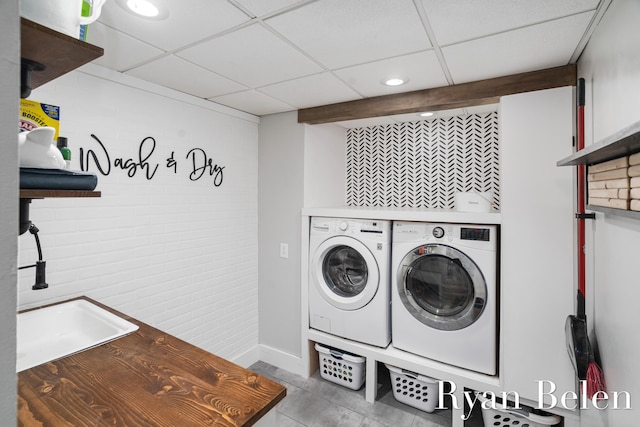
column 581, row 351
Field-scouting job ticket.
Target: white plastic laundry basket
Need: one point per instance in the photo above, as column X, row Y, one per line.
column 341, row 367
column 413, row 389
column 509, row 416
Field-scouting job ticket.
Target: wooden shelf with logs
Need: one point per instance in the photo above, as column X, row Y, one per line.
column 623, row 143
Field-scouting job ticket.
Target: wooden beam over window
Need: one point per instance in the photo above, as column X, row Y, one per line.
column 471, row 94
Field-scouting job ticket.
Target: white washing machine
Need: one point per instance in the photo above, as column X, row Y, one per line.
column 349, row 279
column 444, row 293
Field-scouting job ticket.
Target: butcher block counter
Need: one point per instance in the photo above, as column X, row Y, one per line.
column 147, row 378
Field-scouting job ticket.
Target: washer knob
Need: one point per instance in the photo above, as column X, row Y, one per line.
column 438, row 232
column 344, row 225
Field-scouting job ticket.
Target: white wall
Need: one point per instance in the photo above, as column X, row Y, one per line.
column 537, row 240
column 177, row 253
column 10, row 72
column 300, row 166
column 611, row 67
column 324, row 165
column 281, row 186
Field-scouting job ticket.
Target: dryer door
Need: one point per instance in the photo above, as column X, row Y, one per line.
column 345, row 272
column 441, row 287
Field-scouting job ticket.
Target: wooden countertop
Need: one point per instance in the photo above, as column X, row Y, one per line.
column 147, row 378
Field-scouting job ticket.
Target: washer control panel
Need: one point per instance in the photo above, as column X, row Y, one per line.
column 371, row 229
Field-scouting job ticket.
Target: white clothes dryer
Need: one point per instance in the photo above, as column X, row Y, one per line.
column 445, row 293
column 349, row 279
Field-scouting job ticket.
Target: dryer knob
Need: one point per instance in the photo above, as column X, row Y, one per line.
column 344, row 225
column 438, row 232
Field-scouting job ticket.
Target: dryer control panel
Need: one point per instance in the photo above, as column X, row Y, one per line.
column 482, row 234
column 469, row 235
column 438, row 232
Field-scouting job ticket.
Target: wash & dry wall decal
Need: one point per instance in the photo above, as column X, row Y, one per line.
column 199, row 164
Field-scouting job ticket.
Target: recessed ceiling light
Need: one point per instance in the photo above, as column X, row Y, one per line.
column 394, row 81
column 153, row 10
column 143, row 8
column 426, row 114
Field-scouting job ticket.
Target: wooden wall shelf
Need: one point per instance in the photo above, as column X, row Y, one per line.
column 58, row 52
column 41, row 194
column 620, row 144
column 620, row 212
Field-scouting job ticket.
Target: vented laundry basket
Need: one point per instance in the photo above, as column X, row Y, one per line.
column 413, row 389
column 509, row 416
column 341, row 367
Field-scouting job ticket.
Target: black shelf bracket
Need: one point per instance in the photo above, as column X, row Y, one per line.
column 589, row 215
column 25, row 223
column 27, row 67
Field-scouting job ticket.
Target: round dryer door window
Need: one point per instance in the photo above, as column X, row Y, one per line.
column 441, row 287
column 345, row 272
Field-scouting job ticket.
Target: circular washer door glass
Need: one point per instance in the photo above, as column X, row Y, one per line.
column 345, row 271
column 441, row 287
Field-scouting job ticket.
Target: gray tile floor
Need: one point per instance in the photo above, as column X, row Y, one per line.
column 316, row 402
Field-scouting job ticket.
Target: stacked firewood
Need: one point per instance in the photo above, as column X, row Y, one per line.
column 634, row 173
column 615, row 183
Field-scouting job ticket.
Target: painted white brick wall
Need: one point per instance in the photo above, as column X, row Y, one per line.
column 180, row 255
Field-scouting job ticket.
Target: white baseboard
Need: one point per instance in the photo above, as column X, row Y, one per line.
column 282, row 360
column 247, row 358
column 272, row 356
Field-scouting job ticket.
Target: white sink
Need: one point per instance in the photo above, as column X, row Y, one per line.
column 59, row 330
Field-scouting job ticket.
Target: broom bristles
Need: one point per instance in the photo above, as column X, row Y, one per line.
column 595, row 381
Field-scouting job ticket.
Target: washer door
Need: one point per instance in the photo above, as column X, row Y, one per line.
column 345, row 272
column 441, row 287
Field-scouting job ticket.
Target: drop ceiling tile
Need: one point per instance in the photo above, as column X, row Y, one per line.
column 264, row 7
column 341, row 33
column 532, row 48
column 455, row 21
column 252, row 56
column 422, row 70
column 253, row 102
column 187, row 22
column 120, row 50
column 176, row 73
column 311, row 91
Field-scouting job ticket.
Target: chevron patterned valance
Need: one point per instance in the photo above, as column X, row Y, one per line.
column 423, row 164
